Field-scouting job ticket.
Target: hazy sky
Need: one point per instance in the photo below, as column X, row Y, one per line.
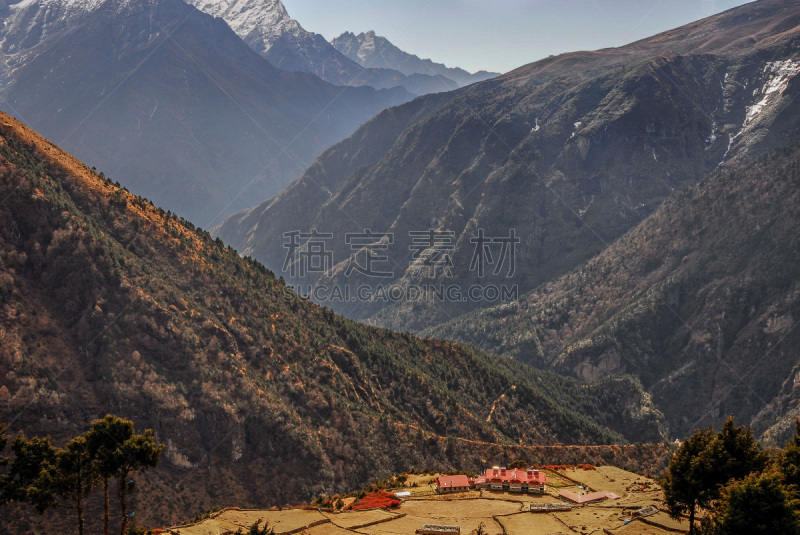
column 499, row 35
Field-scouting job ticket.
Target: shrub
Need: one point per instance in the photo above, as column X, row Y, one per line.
column 376, row 500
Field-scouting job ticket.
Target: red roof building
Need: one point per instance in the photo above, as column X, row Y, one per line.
column 513, row 480
column 458, row 483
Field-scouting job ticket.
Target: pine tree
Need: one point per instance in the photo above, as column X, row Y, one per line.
column 705, row 463
column 19, row 483
column 687, row 481
column 756, row 505
column 788, row 460
column 733, row 454
column 105, row 437
column 46, row 477
column 67, row 480
column 138, row 453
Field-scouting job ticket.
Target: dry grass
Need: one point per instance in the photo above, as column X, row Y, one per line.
column 533, row 524
column 592, row 519
column 467, row 514
column 663, row 519
column 554, row 479
column 640, row 528
column 479, row 508
column 357, row 518
column 280, row 521
column 549, row 497
column 327, row 529
column 610, row 478
column 408, row 524
column 208, row 528
column 636, row 500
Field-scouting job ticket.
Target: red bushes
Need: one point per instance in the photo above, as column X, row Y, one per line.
column 379, row 499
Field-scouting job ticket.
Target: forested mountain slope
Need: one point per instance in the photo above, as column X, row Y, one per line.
column 700, row 301
column 108, row 304
column 570, row 152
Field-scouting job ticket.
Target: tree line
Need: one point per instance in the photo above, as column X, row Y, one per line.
column 47, row 477
column 739, row 487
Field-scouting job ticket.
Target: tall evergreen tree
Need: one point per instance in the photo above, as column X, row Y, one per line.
column 19, row 483
column 788, row 460
column 44, row 476
column 105, row 438
column 687, row 481
column 67, row 480
column 705, row 463
column 756, row 505
column 733, row 454
column 136, row 454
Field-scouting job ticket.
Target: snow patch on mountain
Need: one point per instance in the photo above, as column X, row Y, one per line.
column 367, row 47
column 31, row 21
column 258, row 22
column 778, row 73
column 58, row 6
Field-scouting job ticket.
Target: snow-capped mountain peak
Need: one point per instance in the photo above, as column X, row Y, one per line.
column 30, row 21
column 62, row 6
column 371, row 50
column 258, row 22
column 367, row 47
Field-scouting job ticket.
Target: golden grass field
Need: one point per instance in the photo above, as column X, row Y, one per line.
column 358, row 518
column 231, row 521
column 638, row 528
column 530, row 524
column 497, row 511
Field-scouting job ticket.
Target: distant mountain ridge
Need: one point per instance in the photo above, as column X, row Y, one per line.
column 571, row 152
column 267, row 28
column 221, row 127
column 376, row 51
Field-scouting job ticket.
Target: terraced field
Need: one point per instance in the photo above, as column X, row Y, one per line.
column 499, row 512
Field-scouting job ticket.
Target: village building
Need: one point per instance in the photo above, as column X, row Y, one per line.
column 436, row 529
column 530, row 481
column 445, row 484
column 556, row 507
